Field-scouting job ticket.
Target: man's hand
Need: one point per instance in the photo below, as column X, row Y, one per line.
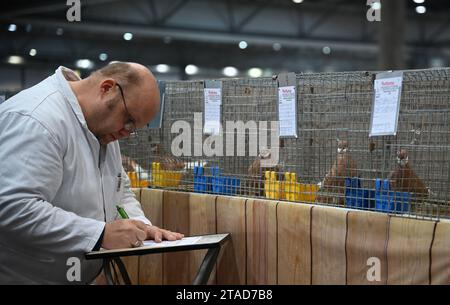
column 124, row 233
column 157, row 234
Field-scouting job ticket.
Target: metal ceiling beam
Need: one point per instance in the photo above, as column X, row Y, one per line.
column 230, row 15
column 202, row 35
column 438, row 32
column 333, row 9
column 251, row 16
column 153, row 10
column 172, row 11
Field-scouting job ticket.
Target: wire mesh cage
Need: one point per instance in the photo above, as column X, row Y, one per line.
column 332, row 161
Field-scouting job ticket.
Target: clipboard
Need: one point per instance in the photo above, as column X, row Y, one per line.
column 212, row 242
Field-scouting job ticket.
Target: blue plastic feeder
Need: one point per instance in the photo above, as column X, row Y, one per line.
column 357, row 197
column 216, row 183
column 390, row 201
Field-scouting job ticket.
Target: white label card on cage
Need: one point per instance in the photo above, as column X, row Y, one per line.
column 386, row 106
column 287, row 111
column 213, row 101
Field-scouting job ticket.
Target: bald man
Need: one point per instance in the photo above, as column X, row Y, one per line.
column 62, row 176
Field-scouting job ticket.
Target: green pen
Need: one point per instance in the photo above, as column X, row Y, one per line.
column 122, row 212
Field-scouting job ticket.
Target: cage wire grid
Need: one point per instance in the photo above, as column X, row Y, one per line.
column 331, row 107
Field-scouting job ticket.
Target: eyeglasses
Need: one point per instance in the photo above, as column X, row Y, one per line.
column 130, row 125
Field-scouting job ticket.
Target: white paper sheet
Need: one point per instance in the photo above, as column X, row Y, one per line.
column 182, row 242
column 386, row 105
column 213, row 100
column 287, row 111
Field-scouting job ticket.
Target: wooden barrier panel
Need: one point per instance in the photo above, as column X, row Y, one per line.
column 231, row 263
column 176, row 218
column 367, row 235
column 328, row 230
column 409, row 251
column 440, row 254
column 132, row 262
column 150, row 266
column 290, row 243
column 202, row 209
column 190, row 214
column 294, row 243
column 261, row 242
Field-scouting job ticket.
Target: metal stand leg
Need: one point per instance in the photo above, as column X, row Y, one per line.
column 123, row 271
column 206, row 267
column 107, row 270
column 108, row 264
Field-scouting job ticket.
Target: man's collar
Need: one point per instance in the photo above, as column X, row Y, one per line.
column 63, row 75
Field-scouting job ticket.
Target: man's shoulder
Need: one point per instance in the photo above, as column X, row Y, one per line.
column 29, row 101
column 43, row 105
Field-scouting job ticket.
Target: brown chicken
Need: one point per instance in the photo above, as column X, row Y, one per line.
column 404, row 179
column 255, row 183
column 332, row 190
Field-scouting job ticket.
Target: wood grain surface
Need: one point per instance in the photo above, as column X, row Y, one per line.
column 231, row 263
column 329, row 227
column 202, row 209
column 150, row 266
column 132, row 262
column 367, row 235
column 176, row 217
column 294, row 243
column 261, row 242
column 409, row 251
column 440, row 254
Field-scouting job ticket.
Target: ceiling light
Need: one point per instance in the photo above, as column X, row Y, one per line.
column 230, row 71
column 33, row 52
column 297, row 1
column 84, row 64
column 191, row 69
column 12, row 27
column 326, row 50
column 103, row 56
column 243, row 44
column 255, row 72
column 419, row 1
column 162, row 68
column 15, row 60
column 421, row 9
column 127, row 36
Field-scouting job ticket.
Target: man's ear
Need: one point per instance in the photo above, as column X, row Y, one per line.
column 106, row 85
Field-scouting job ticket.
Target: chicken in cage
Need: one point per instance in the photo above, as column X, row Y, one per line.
column 404, row 178
column 333, row 185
